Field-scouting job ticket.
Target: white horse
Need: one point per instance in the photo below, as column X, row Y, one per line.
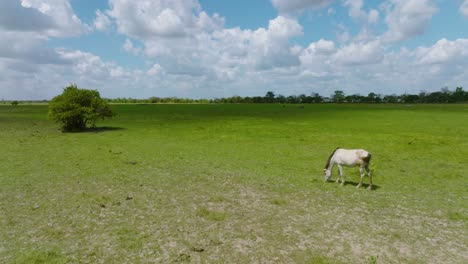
column 349, row 158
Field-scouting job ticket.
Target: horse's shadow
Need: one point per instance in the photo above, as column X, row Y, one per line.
column 363, row 185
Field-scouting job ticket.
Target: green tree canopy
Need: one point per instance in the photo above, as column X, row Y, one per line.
column 270, row 97
column 338, row 96
column 76, row 108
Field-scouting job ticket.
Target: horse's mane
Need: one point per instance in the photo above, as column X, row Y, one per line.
column 329, row 158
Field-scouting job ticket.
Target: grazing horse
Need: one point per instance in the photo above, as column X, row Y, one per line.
column 350, row 158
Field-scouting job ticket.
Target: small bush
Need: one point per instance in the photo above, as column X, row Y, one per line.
column 76, row 108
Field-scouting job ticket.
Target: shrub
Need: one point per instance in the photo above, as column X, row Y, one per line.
column 76, row 108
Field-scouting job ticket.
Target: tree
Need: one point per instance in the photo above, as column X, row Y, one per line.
column 459, row 95
column 410, row 98
column 281, row 99
column 270, row 97
column 391, row 99
column 338, row 96
column 316, row 98
column 371, row 98
column 76, row 108
column 14, row 103
column 355, row 98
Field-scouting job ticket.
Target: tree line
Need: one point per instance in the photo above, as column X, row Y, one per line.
column 444, row 96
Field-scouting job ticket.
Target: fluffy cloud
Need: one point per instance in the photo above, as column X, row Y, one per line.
column 130, row 47
column 323, row 47
column 325, row 53
column 407, row 18
column 286, row 6
column 30, row 68
column 12, row 15
column 66, row 23
column 155, row 70
column 102, row 22
column 464, row 8
column 177, row 34
column 442, row 64
column 443, row 52
column 223, row 53
column 360, row 53
column 356, row 12
column 316, row 60
column 161, row 18
column 49, row 17
column 270, row 47
column 23, row 40
column 182, row 38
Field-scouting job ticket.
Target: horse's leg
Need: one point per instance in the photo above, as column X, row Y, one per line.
column 340, row 168
column 370, row 177
column 339, row 174
column 361, row 171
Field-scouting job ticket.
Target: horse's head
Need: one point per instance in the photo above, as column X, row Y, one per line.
column 327, row 174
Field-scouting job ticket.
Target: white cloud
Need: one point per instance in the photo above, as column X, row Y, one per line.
column 25, row 27
column 102, row 22
column 208, row 23
column 187, row 41
column 357, row 13
column 48, row 17
column 443, row 52
column 43, row 81
column 316, row 60
column 61, row 13
column 325, row 46
column 365, row 35
column 177, row 33
column 360, row 53
column 322, row 47
column 155, row 70
column 270, row 48
column 407, row 18
column 464, row 8
column 161, row 18
column 12, row 15
column 343, row 36
column 286, row 6
column 129, row 47
column 283, row 27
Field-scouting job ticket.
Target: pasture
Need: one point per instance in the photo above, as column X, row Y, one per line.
column 234, row 184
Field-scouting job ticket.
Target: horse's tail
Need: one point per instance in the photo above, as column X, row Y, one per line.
column 329, row 158
column 367, row 158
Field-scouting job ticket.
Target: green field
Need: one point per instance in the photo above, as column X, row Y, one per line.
column 234, row 184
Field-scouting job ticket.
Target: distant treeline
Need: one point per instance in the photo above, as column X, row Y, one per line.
column 443, row 96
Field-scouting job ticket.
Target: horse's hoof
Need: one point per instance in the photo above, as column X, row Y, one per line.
column 357, row 187
column 369, row 188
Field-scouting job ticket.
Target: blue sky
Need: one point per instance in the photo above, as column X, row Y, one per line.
column 212, row 48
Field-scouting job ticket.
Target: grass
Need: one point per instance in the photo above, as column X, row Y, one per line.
column 234, row 184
